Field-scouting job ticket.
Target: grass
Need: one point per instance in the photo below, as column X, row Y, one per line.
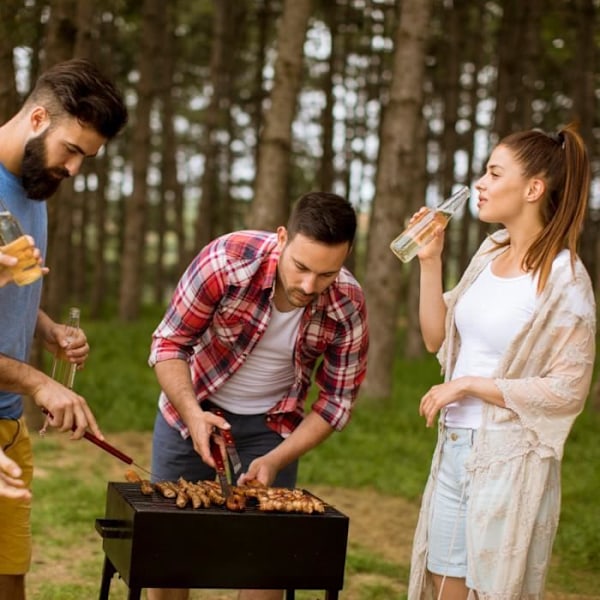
column 385, row 447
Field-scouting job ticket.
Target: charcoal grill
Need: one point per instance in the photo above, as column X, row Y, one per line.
column 150, row 542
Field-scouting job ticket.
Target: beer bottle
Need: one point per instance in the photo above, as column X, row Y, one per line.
column 63, row 371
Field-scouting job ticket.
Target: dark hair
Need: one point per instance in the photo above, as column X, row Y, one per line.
column 323, row 217
column 561, row 160
column 77, row 88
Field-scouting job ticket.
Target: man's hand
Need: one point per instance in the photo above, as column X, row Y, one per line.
column 11, row 485
column 261, row 468
column 72, row 343
column 66, row 410
column 201, row 427
column 7, row 261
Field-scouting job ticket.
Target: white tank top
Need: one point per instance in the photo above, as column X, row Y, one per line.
column 268, row 371
column 488, row 317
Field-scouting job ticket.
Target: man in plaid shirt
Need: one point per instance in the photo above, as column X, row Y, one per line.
column 253, row 316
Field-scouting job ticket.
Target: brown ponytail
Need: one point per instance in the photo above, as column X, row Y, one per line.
column 561, row 160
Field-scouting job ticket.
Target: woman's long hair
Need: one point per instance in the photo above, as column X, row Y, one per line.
column 561, row 160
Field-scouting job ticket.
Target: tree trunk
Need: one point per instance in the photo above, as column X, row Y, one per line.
column 509, row 85
column 270, row 207
column 9, row 101
column 263, row 17
column 98, row 292
column 214, row 211
column 170, row 203
column 394, row 189
column 133, row 260
column 326, row 170
column 530, row 55
column 413, row 341
column 584, row 110
column 59, row 45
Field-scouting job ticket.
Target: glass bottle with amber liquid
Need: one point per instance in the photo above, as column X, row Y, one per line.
column 14, row 243
column 419, row 233
column 63, row 371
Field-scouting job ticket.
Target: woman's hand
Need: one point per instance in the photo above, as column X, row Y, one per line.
column 439, row 396
column 433, row 250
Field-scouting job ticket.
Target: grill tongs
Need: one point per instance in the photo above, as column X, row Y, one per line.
column 215, row 450
column 232, row 453
column 222, row 440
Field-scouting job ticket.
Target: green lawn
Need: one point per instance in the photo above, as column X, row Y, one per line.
column 385, row 447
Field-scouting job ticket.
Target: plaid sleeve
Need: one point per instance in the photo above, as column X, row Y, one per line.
column 343, row 368
column 194, row 301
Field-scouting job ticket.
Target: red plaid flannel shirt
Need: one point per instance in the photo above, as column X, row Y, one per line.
column 221, row 308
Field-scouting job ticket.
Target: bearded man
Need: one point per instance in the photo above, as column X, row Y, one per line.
column 72, row 111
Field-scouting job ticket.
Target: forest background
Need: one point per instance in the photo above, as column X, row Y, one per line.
column 237, row 107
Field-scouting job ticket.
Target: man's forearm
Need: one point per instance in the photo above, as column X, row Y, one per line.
column 175, row 380
column 43, row 323
column 17, row 376
column 310, row 433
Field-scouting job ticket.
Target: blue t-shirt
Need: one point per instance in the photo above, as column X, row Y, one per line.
column 19, row 305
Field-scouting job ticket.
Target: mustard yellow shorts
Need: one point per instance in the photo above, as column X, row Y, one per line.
column 15, row 526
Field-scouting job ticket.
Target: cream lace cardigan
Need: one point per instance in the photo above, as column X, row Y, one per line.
column 514, row 503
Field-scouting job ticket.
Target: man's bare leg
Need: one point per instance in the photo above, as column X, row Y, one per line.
column 450, row 588
column 260, row 595
column 12, row 587
column 167, row 594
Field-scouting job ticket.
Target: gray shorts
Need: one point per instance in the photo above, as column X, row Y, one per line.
column 174, row 457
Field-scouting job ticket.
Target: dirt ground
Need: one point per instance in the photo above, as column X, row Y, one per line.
column 379, row 525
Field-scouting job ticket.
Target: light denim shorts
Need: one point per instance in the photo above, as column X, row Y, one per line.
column 447, row 525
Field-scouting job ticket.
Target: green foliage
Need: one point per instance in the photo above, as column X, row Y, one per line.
column 117, row 381
column 386, row 444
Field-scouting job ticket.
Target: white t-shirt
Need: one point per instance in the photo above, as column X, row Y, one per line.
column 268, row 371
column 488, row 317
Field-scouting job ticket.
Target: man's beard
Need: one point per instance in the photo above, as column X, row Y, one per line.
column 39, row 181
column 296, row 297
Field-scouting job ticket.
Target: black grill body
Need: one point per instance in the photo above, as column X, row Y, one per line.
column 150, row 542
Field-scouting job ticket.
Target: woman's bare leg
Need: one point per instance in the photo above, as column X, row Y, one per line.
column 450, row 588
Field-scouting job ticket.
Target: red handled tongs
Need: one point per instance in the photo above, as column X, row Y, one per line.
column 90, row 437
column 232, row 453
column 215, row 450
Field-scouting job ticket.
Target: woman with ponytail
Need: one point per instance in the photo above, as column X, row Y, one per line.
column 515, row 339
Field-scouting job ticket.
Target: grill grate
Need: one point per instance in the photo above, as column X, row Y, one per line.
column 157, row 502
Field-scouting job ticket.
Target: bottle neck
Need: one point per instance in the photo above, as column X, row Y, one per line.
column 455, row 202
column 74, row 315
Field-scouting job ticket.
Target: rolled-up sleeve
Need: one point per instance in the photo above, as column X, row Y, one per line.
column 343, row 369
column 191, row 308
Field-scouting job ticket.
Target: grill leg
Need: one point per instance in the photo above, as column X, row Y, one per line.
column 331, row 595
column 108, row 570
column 135, row 593
column 290, row 594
